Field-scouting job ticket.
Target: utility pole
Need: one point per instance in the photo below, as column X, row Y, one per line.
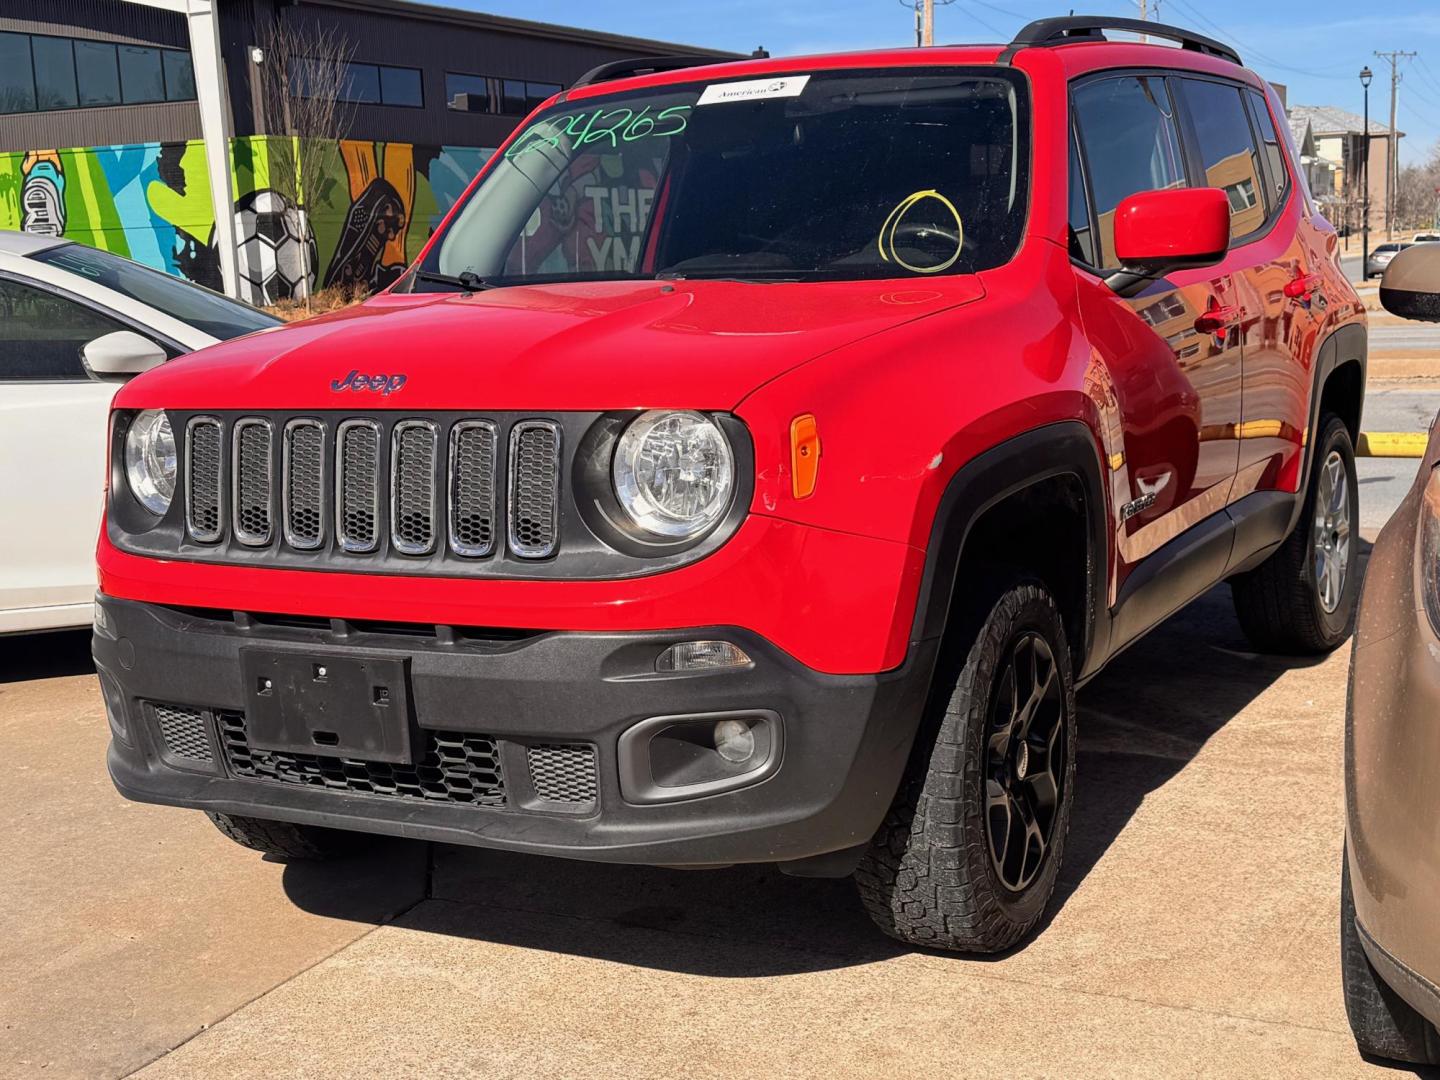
column 1392, row 156
column 927, row 29
column 1144, row 17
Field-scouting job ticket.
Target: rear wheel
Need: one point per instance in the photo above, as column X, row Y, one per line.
column 287, row 840
column 968, row 855
column 1302, row 598
column 1383, row 1022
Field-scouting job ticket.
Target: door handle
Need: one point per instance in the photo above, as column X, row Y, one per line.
column 1216, row 319
column 1302, row 287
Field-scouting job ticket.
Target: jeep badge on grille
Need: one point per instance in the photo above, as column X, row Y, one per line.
column 384, row 384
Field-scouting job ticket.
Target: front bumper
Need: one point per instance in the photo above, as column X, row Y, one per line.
column 845, row 737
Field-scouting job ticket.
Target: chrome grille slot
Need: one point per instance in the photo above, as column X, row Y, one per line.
column 534, row 516
column 357, row 485
column 412, row 487
column 303, row 484
column 472, row 488
column 204, row 510
column 252, row 483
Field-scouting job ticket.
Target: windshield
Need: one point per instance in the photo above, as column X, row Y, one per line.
column 805, row 177
column 206, row 311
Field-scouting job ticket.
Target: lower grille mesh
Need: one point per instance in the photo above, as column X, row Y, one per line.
column 183, row 730
column 456, row 767
column 563, row 773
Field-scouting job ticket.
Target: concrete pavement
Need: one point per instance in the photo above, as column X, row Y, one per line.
column 1196, row 933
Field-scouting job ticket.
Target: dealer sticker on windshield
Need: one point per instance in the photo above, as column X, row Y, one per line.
column 753, row 90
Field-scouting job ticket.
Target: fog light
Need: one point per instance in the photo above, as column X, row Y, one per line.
column 702, row 656
column 734, row 741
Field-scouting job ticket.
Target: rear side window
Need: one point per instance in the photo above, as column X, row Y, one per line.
column 42, row 333
column 1131, row 144
column 1270, row 145
column 1228, row 154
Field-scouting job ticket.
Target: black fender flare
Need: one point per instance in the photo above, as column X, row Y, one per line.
column 1064, row 448
column 1345, row 345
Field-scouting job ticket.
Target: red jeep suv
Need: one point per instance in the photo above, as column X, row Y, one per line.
column 750, row 469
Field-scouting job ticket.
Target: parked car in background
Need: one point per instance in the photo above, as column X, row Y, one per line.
column 74, row 323
column 1380, row 257
column 1425, row 237
column 1390, row 884
column 750, row 470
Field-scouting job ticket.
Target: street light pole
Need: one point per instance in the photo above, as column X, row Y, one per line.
column 1365, row 77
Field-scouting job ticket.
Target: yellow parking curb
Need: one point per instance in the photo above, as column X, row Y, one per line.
column 1406, row 444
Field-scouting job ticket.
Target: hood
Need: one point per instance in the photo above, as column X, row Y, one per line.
column 592, row 346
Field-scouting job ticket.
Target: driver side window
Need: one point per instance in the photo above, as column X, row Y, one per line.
column 42, row 333
column 1127, row 127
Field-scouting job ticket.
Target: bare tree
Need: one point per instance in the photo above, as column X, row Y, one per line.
column 306, row 109
column 1417, row 196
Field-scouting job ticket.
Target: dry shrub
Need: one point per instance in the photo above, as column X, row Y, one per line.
column 322, row 302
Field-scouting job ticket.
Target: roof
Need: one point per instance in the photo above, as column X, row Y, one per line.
column 503, row 24
column 1330, row 120
column 19, row 243
column 1302, row 132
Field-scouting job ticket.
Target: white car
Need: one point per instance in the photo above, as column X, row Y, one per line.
column 74, row 323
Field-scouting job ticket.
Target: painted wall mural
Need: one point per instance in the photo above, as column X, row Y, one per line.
column 365, row 215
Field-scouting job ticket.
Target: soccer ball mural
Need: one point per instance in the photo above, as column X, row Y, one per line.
column 278, row 257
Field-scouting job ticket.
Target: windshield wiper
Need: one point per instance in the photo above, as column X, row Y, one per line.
column 466, row 279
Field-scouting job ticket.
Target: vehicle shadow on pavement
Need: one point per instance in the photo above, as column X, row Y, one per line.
column 1142, row 721
column 45, row 656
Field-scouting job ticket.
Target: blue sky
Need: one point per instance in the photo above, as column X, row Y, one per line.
column 1316, row 48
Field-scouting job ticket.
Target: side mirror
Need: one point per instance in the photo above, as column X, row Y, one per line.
column 1410, row 286
column 1157, row 232
column 122, row 354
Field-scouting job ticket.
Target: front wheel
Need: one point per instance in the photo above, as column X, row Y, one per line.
column 286, row 840
column 968, row 855
column 1302, row 598
column 1383, row 1023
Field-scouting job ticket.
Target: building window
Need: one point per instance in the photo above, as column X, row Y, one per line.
column 468, row 93
column 142, row 76
column 362, row 84
column 43, row 73
column 98, row 71
column 492, row 94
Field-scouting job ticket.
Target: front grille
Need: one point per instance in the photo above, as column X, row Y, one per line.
column 303, row 473
column 563, row 772
column 203, row 443
column 445, row 488
column 455, row 767
column 253, row 479
column 412, row 487
column 183, row 730
column 534, row 488
column 358, row 484
column 472, row 488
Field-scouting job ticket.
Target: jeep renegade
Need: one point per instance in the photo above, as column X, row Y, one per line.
column 750, row 469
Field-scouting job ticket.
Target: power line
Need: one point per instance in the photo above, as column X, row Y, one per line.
column 1249, row 50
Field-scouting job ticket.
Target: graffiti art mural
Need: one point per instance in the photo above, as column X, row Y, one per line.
column 362, row 219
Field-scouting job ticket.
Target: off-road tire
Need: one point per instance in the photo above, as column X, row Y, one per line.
column 1384, row 1023
column 285, row 840
column 928, row 877
column 1278, row 602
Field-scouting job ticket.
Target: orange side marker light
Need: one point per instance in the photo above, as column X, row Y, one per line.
column 804, row 456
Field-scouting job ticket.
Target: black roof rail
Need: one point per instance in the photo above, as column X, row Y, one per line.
column 1069, row 29
column 646, row 65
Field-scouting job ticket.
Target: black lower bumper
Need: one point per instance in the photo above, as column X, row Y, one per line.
column 485, row 710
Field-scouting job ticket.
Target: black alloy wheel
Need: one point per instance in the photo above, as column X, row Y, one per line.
column 1024, row 761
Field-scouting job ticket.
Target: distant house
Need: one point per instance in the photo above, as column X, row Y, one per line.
column 1334, row 162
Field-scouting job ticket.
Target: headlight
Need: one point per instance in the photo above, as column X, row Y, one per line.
column 150, row 460
column 674, row 472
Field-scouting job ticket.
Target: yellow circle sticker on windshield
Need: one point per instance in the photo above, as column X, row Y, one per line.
column 896, row 218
